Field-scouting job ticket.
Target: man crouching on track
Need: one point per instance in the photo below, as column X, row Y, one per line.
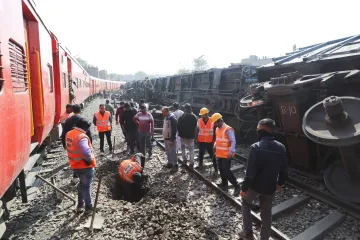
column 130, row 182
column 82, row 161
column 266, row 171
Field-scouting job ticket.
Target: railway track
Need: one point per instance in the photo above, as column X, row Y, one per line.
column 294, row 200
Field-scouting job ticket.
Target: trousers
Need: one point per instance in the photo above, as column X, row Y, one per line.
column 225, row 173
column 171, row 152
column 204, row 146
column 145, row 143
column 189, row 143
column 265, row 212
column 84, row 192
column 131, row 140
column 108, row 139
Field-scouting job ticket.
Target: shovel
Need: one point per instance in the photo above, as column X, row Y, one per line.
column 95, row 222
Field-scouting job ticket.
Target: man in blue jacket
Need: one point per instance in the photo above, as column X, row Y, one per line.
column 68, row 126
column 266, row 171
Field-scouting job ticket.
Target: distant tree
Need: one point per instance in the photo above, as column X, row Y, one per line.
column 200, row 64
column 183, row 70
column 140, row 75
column 83, row 62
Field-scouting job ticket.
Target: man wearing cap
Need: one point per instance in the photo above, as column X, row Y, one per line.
column 266, row 171
column 145, row 122
column 225, row 150
column 206, row 137
column 187, row 128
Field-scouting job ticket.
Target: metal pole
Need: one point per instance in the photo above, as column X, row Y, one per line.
column 96, row 200
column 113, row 149
column 59, row 190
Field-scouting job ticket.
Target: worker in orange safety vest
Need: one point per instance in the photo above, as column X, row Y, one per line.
column 131, row 178
column 82, row 161
column 206, row 137
column 67, row 114
column 225, row 150
column 103, row 119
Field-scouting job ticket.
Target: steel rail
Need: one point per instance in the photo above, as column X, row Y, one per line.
column 334, row 201
column 275, row 232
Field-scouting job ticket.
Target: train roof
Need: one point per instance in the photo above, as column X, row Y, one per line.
column 106, row 80
column 338, row 48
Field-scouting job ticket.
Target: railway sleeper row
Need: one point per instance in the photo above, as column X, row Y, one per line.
column 316, row 231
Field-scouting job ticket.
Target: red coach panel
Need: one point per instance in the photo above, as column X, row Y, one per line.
column 61, row 81
column 41, row 73
column 14, row 94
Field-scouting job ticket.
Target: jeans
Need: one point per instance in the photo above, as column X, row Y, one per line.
column 131, row 140
column 108, row 138
column 209, row 148
column 84, row 192
column 171, row 152
column 225, row 172
column 144, row 139
column 190, row 144
column 265, row 212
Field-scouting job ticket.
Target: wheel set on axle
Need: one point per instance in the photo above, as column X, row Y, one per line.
column 336, row 122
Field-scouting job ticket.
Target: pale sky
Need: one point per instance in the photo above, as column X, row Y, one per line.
column 161, row 36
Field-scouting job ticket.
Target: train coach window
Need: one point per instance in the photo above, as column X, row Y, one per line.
column 1, row 71
column 19, row 74
column 64, row 80
column 50, row 78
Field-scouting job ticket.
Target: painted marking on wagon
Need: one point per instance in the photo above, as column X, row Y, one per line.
column 288, row 110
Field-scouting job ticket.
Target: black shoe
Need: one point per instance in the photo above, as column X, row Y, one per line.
column 89, row 210
column 222, row 185
column 237, row 191
column 79, row 208
column 110, row 149
column 168, row 165
column 102, row 150
column 174, row 169
column 246, row 235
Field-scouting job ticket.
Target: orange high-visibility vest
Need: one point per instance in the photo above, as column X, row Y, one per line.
column 76, row 158
column 206, row 131
column 127, row 169
column 103, row 122
column 223, row 143
column 65, row 116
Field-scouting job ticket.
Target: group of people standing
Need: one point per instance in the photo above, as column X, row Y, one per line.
column 266, row 167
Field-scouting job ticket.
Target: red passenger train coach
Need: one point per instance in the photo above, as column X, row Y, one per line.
column 35, row 77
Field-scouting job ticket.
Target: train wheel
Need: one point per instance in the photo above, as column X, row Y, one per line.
column 336, row 122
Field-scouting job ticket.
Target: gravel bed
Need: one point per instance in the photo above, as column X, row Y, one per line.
column 302, row 218
column 178, row 206
column 349, row 229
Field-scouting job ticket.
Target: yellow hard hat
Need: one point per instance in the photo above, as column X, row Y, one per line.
column 216, row 116
column 203, row 111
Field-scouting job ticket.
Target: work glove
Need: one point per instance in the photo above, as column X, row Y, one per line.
column 230, row 155
column 277, row 188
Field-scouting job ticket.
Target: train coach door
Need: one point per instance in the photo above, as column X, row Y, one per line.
column 29, row 77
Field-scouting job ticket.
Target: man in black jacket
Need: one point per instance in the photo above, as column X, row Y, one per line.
column 130, row 126
column 68, row 126
column 266, row 171
column 187, row 128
